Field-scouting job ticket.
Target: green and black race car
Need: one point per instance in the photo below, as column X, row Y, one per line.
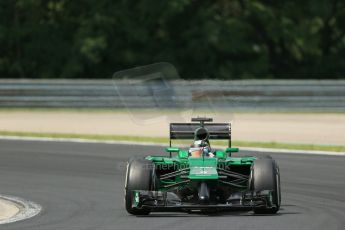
column 200, row 178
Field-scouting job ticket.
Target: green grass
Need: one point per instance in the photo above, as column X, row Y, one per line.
column 293, row 146
column 87, row 136
column 163, row 140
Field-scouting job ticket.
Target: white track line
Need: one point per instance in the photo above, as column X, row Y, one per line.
column 311, row 152
column 80, row 140
column 28, row 209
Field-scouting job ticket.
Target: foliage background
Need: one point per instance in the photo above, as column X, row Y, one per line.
column 223, row 39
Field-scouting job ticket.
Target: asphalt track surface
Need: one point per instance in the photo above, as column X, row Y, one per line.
column 80, row 186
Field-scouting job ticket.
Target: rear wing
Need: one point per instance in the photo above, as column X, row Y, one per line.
column 217, row 131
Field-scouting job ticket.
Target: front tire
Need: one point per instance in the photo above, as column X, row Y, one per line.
column 265, row 176
column 139, row 176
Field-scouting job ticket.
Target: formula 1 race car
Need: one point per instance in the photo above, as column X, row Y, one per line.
column 200, row 178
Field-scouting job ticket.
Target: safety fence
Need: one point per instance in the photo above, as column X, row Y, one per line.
column 313, row 95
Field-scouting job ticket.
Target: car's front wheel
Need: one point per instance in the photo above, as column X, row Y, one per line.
column 265, row 176
column 139, row 176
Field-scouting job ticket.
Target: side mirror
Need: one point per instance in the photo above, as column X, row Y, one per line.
column 231, row 150
column 172, row 150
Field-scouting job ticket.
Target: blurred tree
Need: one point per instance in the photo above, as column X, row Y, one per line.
column 209, row 39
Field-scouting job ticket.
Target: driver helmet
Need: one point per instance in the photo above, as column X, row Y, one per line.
column 198, row 148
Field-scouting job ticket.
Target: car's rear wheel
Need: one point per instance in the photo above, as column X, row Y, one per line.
column 139, row 176
column 265, row 176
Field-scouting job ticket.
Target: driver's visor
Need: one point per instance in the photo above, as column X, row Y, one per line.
column 196, row 152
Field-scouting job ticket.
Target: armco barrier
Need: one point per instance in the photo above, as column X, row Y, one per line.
column 313, row 95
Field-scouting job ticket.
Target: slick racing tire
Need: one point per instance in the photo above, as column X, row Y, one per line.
column 265, row 176
column 139, row 176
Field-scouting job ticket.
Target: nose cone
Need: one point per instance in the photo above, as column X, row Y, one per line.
column 203, row 168
column 203, row 193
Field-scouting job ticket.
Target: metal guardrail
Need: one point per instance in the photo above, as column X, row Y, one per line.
column 314, row 95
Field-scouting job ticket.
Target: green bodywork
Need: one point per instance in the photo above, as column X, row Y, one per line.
column 202, row 168
column 196, row 169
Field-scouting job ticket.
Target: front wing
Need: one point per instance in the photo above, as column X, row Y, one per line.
column 168, row 201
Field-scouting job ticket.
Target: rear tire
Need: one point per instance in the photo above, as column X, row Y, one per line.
column 139, row 176
column 265, row 176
